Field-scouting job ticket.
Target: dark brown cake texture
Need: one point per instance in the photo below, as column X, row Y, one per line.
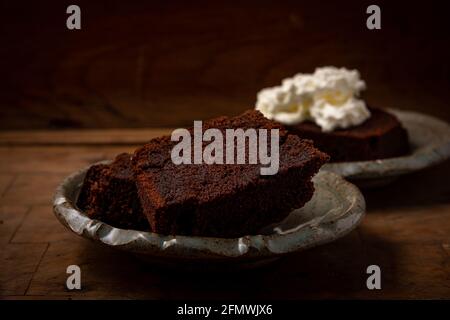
column 223, row 200
column 381, row 136
column 109, row 194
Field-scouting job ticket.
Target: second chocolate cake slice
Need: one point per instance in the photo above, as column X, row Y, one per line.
column 109, row 194
column 379, row 137
column 224, row 200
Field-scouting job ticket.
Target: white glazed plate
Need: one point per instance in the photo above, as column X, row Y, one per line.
column 336, row 208
column 429, row 142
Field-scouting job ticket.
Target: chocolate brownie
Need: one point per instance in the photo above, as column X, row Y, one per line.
column 381, row 136
column 109, row 194
column 224, row 200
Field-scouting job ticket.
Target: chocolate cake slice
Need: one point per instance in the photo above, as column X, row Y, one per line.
column 109, row 194
column 224, row 200
column 381, row 136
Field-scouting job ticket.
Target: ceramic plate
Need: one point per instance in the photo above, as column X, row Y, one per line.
column 430, row 144
column 335, row 209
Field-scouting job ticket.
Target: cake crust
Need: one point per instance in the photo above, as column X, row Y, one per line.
column 223, row 200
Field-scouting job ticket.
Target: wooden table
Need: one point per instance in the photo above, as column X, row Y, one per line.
column 406, row 232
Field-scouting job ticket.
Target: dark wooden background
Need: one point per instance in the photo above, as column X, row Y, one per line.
column 148, row 64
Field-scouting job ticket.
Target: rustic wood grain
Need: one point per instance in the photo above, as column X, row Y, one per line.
column 32, row 189
column 103, row 272
column 11, row 217
column 6, row 180
column 50, row 229
column 54, row 159
column 77, row 137
column 405, row 232
column 147, row 64
column 18, row 265
column 446, row 247
column 414, row 225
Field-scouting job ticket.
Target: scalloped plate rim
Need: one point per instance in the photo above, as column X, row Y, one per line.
column 186, row 247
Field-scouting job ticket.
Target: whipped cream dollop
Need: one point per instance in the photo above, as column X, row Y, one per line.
column 329, row 97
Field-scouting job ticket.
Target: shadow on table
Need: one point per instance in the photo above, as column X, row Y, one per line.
column 336, row 270
column 429, row 186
